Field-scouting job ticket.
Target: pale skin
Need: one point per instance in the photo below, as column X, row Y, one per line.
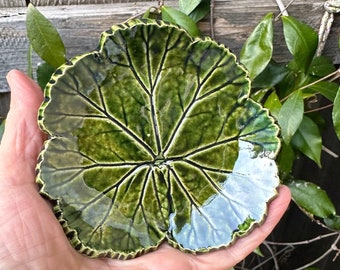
column 30, row 235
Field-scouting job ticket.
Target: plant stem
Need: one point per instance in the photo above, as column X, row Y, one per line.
column 29, row 61
column 320, row 108
column 334, row 74
column 283, row 9
column 305, row 242
column 331, row 249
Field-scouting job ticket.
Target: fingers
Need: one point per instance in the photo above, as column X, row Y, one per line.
column 22, row 138
column 244, row 246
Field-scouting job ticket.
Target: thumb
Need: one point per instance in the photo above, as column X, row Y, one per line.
column 22, row 138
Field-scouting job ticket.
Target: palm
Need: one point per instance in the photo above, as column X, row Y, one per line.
column 30, row 235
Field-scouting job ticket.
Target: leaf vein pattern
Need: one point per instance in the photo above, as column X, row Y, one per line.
column 211, row 145
column 192, row 199
column 133, row 69
column 152, row 101
column 108, row 189
column 154, row 184
column 196, row 98
column 205, row 168
column 225, row 120
column 221, row 192
column 102, row 221
column 119, row 124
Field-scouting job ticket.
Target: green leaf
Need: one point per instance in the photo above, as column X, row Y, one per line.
column 153, row 138
column 2, row 128
column 258, row 48
column 258, row 252
column 308, row 140
column 200, row 11
column 333, row 222
column 285, row 160
column 188, row 6
column 321, row 66
column 273, row 104
column 293, row 81
column 44, row 38
column 272, row 75
column 291, row 115
column 301, row 41
column 336, row 114
column 172, row 15
column 311, row 198
column 325, row 88
column 44, row 73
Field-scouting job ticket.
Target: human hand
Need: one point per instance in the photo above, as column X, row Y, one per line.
column 32, row 238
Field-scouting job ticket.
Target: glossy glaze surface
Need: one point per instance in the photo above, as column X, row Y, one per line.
column 153, row 138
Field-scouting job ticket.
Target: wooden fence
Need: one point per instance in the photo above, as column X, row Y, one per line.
column 80, row 23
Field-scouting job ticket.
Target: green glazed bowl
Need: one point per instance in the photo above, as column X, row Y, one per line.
column 153, row 138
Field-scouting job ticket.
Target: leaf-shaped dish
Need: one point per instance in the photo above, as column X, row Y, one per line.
column 153, row 138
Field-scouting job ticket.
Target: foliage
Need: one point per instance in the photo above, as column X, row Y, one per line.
column 288, row 100
column 286, row 89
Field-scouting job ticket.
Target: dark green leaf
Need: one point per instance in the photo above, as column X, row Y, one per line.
column 260, row 95
column 258, row 48
column 44, row 73
column 321, row 66
column 301, row 41
column 291, row 115
column 147, row 13
column 325, row 88
column 258, row 252
column 273, row 104
column 172, row 15
column 307, row 140
column 200, row 11
column 154, row 138
column 44, row 38
column 336, row 114
column 311, row 198
column 293, row 81
column 285, row 160
column 188, row 6
column 333, row 222
column 273, row 74
column 2, row 128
